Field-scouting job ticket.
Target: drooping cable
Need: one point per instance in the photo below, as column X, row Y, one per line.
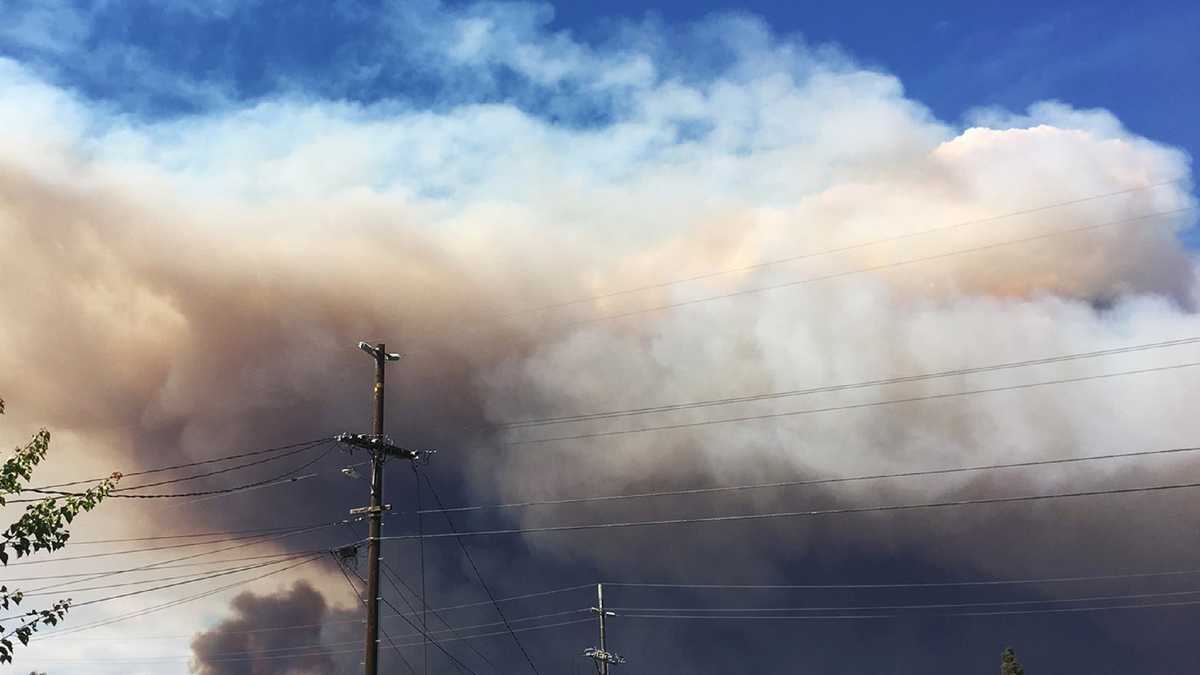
column 478, row 575
column 362, row 601
column 822, row 481
column 802, row 514
column 825, row 389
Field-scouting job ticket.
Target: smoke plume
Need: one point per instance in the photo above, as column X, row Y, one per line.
column 178, row 286
column 249, row 643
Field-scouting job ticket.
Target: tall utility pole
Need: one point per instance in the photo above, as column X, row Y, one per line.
column 380, row 449
column 601, row 655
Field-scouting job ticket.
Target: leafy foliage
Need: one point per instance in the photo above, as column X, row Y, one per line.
column 1009, row 665
column 41, row 528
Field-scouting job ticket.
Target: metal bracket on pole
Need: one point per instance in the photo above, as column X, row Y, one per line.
column 370, row 509
column 383, row 446
column 597, row 654
column 374, row 351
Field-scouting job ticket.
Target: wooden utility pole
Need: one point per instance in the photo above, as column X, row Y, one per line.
column 380, row 449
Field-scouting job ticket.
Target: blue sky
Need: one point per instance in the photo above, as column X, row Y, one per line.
column 1135, row 59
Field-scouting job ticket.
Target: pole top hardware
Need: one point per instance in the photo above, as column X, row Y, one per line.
column 370, row 509
column 384, row 446
column 346, row 552
column 597, row 654
column 374, row 351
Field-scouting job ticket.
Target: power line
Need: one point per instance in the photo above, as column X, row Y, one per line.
column 467, row 553
column 505, row 632
column 934, row 584
column 396, row 581
column 286, row 476
column 522, row 619
column 876, row 268
column 189, row 535
column 206, row 577
column 821, row 481
column 449, row 628
column 362, row 601
column 855, row 406
column 1067, row 610
column 421, row 559
column 214, row 460
column 142, row 582
column 282, row 656
column 75, row 575
column 164, row 563
column 413, row 625
column 828, row 251
column 280, row 483
column 151, row 549
column 228, row 469
column 943, row 605
column 173, row 603
column 672, row 407
column 801, row 514
column 845, row 617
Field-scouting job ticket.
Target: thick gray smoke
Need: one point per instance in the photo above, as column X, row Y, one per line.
column 249, row 642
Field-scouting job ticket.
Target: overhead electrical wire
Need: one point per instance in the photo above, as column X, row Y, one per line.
column 280, row 483
column 186, row 465
column 286, row 476
column 851, row 617
column 206, row 576
column 505, row 632
column 421, row 563
column 745, row 587
column 821, row 481
column 891, row 608
column 359, row 596
column 800, row 514
column 904, row 379
column 854, row 406
column 828, row 251
column 228, row 469
column 158, row 659
column 874, row 268
column 163, row 563
column 174, row 603
column 412, row 624
column 191, row 535
column 422, row 632
column 396, row 581
column 143, row 582
column 76, row 575
column 175, row 584
column 479, row 576
column 166, row 547
column 907, row 585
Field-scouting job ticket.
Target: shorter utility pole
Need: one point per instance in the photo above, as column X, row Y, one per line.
column 601, row 655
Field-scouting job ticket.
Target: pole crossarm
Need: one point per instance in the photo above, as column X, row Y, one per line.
column 597, row 654
column 384, row 446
